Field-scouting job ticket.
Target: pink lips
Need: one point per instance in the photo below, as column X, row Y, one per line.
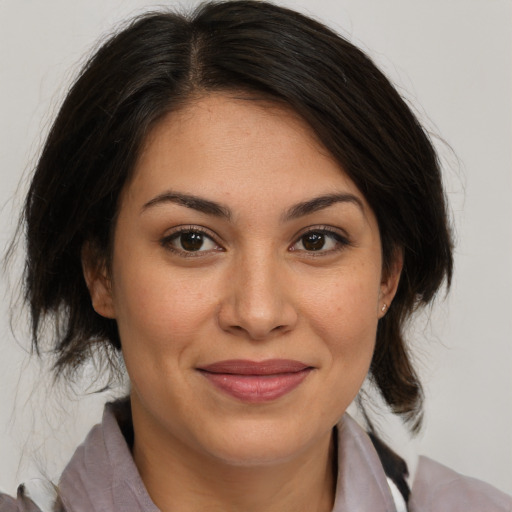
column 256, row 381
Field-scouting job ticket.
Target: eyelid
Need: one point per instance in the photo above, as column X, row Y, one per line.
column 176, row 231
column 338, row 234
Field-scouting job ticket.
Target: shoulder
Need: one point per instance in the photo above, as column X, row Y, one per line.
column 37, row 495
column 8, row 504
column 437, row 488
column 21, row 504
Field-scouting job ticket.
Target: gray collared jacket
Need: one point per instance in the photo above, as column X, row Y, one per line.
column 102, row 477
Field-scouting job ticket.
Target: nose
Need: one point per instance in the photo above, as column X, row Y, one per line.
column 259, row 302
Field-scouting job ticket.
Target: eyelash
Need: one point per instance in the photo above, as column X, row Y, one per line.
column 167, row 241
column 328, row 232
column 341, row 241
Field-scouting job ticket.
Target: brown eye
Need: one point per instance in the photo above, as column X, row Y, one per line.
column 313, row 241
column 191, row 241
column 322, row 241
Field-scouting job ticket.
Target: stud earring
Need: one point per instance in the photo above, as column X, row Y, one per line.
column 384, row 307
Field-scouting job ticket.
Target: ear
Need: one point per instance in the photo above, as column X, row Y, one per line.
column 98, row 281
column 389, row 283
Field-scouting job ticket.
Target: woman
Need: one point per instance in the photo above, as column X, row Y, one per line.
column 243, row 205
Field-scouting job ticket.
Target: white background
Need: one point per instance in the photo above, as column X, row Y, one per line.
column 451, row 59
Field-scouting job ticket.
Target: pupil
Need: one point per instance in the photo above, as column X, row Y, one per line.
column 314, row 241
column 191, row 241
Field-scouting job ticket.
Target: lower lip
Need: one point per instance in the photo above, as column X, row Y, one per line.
column 257, row 388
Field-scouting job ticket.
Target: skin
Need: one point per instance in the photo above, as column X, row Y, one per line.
column 253, row 291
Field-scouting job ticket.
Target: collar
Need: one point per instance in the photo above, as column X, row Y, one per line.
column 362, row 485
column 102, row 475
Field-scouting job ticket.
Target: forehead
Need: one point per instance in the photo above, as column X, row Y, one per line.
column 228, row 146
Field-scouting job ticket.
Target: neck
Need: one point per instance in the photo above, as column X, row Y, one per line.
column 187, row 481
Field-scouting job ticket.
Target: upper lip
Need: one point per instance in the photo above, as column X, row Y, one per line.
column 247, row 367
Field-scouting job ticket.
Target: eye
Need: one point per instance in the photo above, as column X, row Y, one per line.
column 190, row 240
column 320, row 241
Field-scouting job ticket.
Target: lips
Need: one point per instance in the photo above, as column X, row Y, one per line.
column 256, row 381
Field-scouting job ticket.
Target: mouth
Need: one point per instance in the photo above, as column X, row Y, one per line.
column 256, row 381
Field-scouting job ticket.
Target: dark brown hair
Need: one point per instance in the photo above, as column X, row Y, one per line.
column 158, row 63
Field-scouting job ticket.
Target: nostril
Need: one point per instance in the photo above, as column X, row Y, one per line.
column 241, row 315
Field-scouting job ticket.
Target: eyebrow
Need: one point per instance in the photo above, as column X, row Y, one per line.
column 190, row 201
column 212, row 208
column 319, row 203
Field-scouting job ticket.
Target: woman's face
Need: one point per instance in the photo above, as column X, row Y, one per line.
column 246, row 282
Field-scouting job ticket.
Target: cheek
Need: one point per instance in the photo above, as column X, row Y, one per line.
column 160, row 308
column 344, row 315
column 346, row 306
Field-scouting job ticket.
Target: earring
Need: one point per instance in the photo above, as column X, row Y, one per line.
column 384, row 307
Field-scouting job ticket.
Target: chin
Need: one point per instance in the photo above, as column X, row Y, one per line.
column 262, row 443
